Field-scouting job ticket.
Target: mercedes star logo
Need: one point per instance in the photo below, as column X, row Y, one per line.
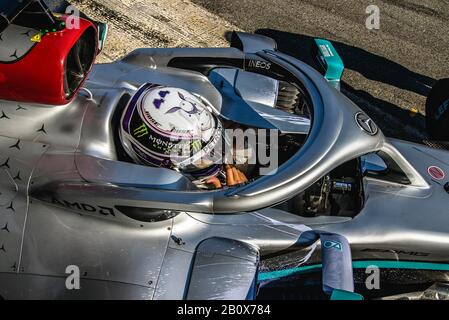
column 366, row 124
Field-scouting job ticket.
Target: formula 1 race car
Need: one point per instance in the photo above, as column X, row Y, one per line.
column 71, row 199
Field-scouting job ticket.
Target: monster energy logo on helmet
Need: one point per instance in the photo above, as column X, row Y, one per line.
column 141, row 131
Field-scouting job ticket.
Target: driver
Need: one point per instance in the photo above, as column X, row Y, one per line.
column 173, row 128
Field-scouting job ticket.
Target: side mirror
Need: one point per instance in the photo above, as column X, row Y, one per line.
column 373, row 164
column 328, row 61
column 103, row 30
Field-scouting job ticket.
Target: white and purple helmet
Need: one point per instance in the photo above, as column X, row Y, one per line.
column 172, row 128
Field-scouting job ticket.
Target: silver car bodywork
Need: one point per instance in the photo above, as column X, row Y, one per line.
column 134, row 231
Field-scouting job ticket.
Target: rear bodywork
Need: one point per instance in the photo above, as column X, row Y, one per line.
column 43, row 59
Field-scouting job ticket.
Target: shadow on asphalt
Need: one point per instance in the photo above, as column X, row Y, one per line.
column 366, row 101
column 372, row 67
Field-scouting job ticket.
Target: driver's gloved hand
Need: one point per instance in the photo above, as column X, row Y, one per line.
column 233, row 177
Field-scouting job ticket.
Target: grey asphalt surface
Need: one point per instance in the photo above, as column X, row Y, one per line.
column 389, row 71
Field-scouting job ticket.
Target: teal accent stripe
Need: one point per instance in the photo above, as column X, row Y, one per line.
column 341, row 295
column 382, row 264
column 288, row 272
column 385, row 264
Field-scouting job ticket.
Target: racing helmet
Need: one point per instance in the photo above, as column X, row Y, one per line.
column 172, row 128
